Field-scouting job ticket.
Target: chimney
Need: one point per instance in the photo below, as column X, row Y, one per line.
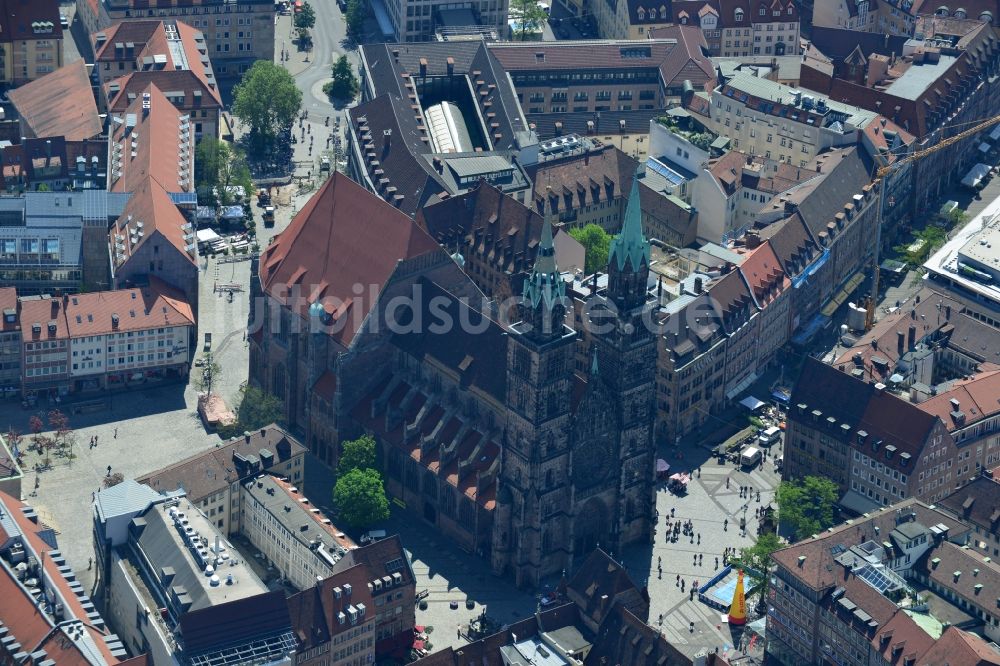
column 912, row 337
column 752, row 239
column 947, row 312
column 451, row 66
column 900, row 342
column 697, row 285
column 386, row 140
column 423, row 68
column 558, row 128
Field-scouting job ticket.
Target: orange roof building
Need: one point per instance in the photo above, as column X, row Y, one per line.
column 28, row 616
column 58, row 104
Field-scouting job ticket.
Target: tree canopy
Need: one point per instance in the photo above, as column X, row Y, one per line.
column 354, row 16
column 267, row 100
column 596, row 243
column 344, row 84
column 807, row 505
column 528, row 15
column 305, row 19
column 219, row 166
column 360, row 498
column 357, row 454
column 258, row 408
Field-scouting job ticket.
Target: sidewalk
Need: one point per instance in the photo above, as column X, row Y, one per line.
column 284, row 36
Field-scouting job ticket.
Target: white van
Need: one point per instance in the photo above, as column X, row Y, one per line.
column 372, row 535
column 769, row 436
column 750, row 456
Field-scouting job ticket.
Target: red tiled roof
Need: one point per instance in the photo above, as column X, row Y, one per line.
column 162, row 152
column 959, row 647
column 764, row 274
column 17, row 17
column 42, row 311
column 60, row 103
column 155, row 306
column 150, row 205
column 20, row 614
column 977, row 400
column 344, row 236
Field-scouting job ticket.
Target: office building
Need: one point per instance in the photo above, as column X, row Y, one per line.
column 173, row 584
column 236, row 34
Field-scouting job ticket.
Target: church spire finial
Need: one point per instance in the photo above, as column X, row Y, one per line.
column 544, row 283
column 593, row 364
column 630, row 244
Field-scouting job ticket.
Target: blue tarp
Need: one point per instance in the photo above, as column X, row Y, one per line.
column 232, row 212
column 800, row 279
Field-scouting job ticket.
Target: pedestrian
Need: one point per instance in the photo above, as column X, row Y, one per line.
column 701, row 558
column 116, row 432
column 716, row 562
column 678, row 575
column 727, row 483
column 699, row 538
column 90, row 563
column 671, row 512
column 109, row 470
column 36, row 482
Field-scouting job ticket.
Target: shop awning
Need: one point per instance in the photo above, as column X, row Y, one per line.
column 742, row 386
column 975, row 175
column 752, row 403
column 842, row 295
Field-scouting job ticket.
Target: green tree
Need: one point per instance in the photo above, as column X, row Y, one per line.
column 357, row 454
column 807, row 505
column 220, row 166
column 596, row 243
column 267, row 100
column 528, row 15
column 306, row 18
column 205, row 376
column 344, row 84
column 360, row 498
column 354, row 16
column 258, row 408
column 756, row 561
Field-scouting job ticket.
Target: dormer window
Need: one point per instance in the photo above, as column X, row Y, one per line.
column 663, row 12
column 789, row 10
column 738, row 15
column 642, row 14
column 684, row 20
column 763, row 11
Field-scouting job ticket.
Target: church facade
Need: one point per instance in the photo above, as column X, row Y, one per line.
column 485, row 430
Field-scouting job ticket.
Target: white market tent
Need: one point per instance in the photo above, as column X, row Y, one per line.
column 751, row 403
column 207, row 236
column 976, row 175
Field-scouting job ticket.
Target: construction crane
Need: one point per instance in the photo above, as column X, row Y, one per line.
column 880, row 175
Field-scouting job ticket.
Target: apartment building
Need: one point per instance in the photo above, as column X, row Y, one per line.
column 31, row 40
column 882, row 17
column 772, row 294
column 211, row 481
column 46, row 612
column 321, row 613
column 10, row 342
column 174, row 586
column 128, row 337
column 294, row 536
column 45, row 355
column 630, row 19
column 877, row 447
column 975, row 504
column 54, row 164
column 849, row 595
column 236, row 34
column 763, row 117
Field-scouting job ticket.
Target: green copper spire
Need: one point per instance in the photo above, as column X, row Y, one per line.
column 544, row 283
column 630, row 244
column 593, row 364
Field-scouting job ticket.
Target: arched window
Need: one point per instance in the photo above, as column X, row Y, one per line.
column 642, row 14
column 738, row 15
column 960, row 13
column 986, row 17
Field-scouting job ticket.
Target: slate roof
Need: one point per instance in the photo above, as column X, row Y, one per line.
column 600, row 175
column 978, row 581
column 343, row 236
column 313, row 612
column 977, row 502
column 606, row 123
column 818, row 570
column 599, row 576
column 206, row 473
column 862, row 407
column 792, row 244
column 258, row 618
column 959, row 647
column 732, row 300
column 838, row 43
column 61, row 103
column 126, row 497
